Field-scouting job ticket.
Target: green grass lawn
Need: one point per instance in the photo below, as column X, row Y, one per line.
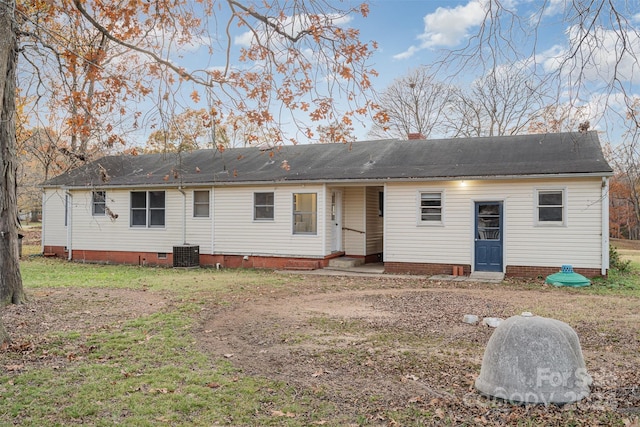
column 147, row 371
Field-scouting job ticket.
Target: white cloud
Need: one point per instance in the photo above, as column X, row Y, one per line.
column 596, row 57
column 553, row 7
column 448, row 27
column 243, row 39
column 291, row 25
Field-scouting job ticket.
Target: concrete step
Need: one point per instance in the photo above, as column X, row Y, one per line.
column 345, row 262
column 487, row 276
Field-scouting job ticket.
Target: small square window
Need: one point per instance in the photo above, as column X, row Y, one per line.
column 550, row 206
column 430, row 207
column 263, row 206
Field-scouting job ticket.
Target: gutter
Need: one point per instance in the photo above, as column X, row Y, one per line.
column 354, row 181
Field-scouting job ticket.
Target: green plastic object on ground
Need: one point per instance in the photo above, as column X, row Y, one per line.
column 567, row 277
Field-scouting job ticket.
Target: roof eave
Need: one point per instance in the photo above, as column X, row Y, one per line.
column 341, row 181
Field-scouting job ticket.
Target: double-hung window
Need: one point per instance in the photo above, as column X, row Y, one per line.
column 98, row 203
column 551, row 207
column 430, row 210
column 263, row 206
column 147, row 209
column 201, row 204
column 305, row 213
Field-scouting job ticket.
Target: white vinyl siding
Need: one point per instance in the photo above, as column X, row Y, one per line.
column 231, row 228
column 236, row 232
column 54, row 232
column 199, row 229
column 108, row 234
column 525, row 244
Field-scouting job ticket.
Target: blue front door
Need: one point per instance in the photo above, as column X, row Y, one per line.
column 488, row 236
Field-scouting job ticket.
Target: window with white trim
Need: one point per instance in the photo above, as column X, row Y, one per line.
column 305, row 213
column 201, row 204
column 147, row 209
column 263, row 206
column 550, row 206
column 430, row 208
column 98, row 203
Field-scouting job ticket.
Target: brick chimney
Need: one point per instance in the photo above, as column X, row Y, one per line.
column 416, row 135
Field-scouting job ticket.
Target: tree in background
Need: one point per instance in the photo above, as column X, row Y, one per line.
column 79, row 83
column 414, row 103
column 595, row 68
column 623, row 204
column 625, row 185
column 558, row 118
column 336, row 132
column 188, row 131
column 503, row 102
column 110, row 57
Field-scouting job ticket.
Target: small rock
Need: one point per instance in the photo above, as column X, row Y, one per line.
column 471, row 319
column 492, row 322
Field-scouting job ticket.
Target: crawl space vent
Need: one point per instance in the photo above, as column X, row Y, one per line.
column 186, row 256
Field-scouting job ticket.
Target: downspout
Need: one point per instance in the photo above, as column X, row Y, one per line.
column 213, row 220
column 323, row 220
column 43, row 222
column 184, row 215
column 605, row 225
column 69, row 201
column 384, row 222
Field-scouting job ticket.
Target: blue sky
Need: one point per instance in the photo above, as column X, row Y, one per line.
column 412, row 33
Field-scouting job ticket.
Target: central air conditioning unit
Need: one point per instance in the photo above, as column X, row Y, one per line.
column 186, row 256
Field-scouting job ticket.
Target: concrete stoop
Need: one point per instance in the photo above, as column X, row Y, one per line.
column 487, row 276
column 345, row 262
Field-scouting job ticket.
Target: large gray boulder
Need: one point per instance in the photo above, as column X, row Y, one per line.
column 533, row 359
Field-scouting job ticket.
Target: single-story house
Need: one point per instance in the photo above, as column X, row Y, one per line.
column 524, row 205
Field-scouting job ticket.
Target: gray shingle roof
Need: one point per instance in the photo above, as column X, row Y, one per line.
column 521, row 155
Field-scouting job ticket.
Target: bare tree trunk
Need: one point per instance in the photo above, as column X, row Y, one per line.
column 11, row 290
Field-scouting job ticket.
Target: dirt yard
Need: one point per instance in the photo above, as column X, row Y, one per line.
column 394, row 345
column 373, row 346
